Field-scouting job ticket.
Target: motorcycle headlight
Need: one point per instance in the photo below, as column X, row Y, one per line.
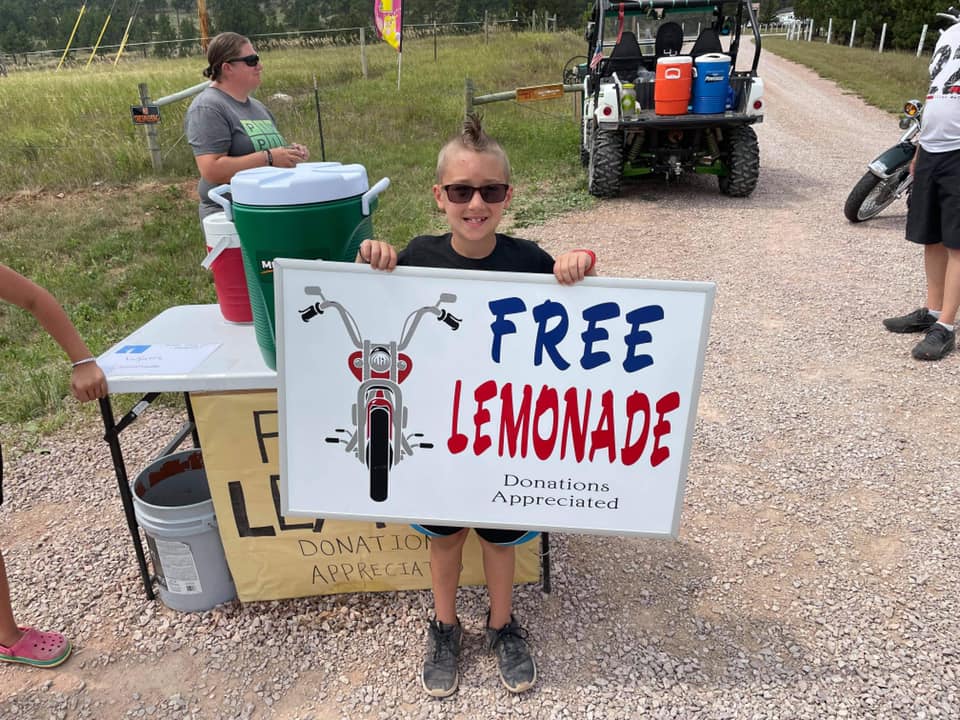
column 380, row 360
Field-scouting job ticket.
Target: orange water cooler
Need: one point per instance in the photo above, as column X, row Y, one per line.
column 671, row 91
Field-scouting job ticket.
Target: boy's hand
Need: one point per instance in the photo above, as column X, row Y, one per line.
column 573, row 266
column 88, row 382
column 378, row 254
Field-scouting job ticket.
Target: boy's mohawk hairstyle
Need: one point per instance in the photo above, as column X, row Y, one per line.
column 472, row 134
column 472, row 137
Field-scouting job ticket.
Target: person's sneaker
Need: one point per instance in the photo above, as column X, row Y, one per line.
column 440, row 676
column 518, row 672
column 938, row 342
column 919, row 320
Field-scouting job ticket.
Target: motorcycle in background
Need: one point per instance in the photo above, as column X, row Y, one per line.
column 888, row 177
column 379, row 416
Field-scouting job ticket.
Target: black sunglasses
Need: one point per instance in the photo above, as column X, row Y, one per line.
column 248, row 60
column 460, row 194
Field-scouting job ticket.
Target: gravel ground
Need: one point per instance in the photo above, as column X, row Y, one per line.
column 816, row 569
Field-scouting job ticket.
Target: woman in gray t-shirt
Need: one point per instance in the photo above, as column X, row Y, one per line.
column 228, row 129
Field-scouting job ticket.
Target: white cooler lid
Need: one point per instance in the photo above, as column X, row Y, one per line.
column 307, row 183
column 713, row 58
column 675, row 60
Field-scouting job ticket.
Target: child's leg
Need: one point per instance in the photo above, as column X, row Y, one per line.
column 505, row 637
column 446, row 556
column 9, row 632
column 499, row 562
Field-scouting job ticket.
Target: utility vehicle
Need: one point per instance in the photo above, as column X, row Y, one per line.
column 622, row 137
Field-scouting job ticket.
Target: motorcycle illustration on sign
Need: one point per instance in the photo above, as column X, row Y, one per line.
column 379, row 417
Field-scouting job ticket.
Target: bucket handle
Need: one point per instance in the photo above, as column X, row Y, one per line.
column 669, row 74
column 215, row 195
column 222, row 244
column 382, row 185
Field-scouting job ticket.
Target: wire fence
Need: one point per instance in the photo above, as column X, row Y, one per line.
column 328, row 37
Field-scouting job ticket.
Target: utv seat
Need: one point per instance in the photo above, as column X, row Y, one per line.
column 625, row 57
column 669, row 40
column 707, row 42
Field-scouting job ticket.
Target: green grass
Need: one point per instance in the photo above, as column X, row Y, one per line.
column 83, row 213
column 885, row 80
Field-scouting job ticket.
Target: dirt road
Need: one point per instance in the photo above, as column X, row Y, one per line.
column 817, row 567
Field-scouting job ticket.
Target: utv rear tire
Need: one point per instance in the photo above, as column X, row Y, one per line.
column 742, row 158
column 605, row 169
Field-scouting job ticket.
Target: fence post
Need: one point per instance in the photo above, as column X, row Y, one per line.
column 435, row 41
column 486, row 31
column 853, row 32
column 151, row 130
column 883, row 36
column 363, row 52
column 829, row 30
column 810, row 30
column 923, row 36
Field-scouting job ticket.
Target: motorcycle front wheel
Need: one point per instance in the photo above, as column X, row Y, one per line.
column 380, row 456
column 871, row 195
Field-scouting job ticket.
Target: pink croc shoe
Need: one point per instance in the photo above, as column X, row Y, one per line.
column 40, row 649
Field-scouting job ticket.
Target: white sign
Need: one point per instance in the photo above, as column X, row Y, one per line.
column 487, row 399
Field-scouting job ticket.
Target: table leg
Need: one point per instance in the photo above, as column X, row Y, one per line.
column 192, row 421
column 112, row 437
column 545, row 560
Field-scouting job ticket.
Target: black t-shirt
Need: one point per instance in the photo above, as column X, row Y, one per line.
column 510, row 255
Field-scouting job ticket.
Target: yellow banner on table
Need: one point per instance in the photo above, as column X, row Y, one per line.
column 272, row 556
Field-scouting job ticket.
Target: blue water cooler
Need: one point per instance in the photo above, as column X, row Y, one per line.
column 711, row 83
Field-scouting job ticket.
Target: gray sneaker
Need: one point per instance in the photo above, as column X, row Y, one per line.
column 518, row 672
column 920, row 320
column 440, row 676
column 938, row 342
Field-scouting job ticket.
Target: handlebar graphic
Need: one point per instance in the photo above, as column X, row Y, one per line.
column 409, row 325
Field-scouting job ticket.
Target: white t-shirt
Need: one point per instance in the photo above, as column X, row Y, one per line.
column 941, row 115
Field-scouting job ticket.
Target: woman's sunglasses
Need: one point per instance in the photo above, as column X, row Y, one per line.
column 464, row 193
column 248, row 60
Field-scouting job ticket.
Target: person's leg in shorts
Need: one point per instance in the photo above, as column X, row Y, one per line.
column 923, row 222
column 505, row 636
column 440, row 675
column 938, row 229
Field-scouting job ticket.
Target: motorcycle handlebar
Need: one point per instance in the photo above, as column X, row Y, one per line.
column 453, row 322
column 309, row 313
column 952, row 14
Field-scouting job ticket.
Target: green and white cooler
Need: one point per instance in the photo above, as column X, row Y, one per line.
column 314, row 211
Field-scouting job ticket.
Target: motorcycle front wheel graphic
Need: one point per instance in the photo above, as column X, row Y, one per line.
column 379, row 453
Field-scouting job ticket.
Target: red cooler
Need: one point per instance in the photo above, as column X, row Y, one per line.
column 671, row 90
column 225, row 259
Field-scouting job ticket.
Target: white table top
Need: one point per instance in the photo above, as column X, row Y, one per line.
column 235, row 365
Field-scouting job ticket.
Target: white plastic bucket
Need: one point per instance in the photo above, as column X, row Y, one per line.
column 171, row 500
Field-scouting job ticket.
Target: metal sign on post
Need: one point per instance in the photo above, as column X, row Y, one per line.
column 145, row 114
column 540, row 92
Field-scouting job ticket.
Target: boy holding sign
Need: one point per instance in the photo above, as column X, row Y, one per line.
column 473, row 190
